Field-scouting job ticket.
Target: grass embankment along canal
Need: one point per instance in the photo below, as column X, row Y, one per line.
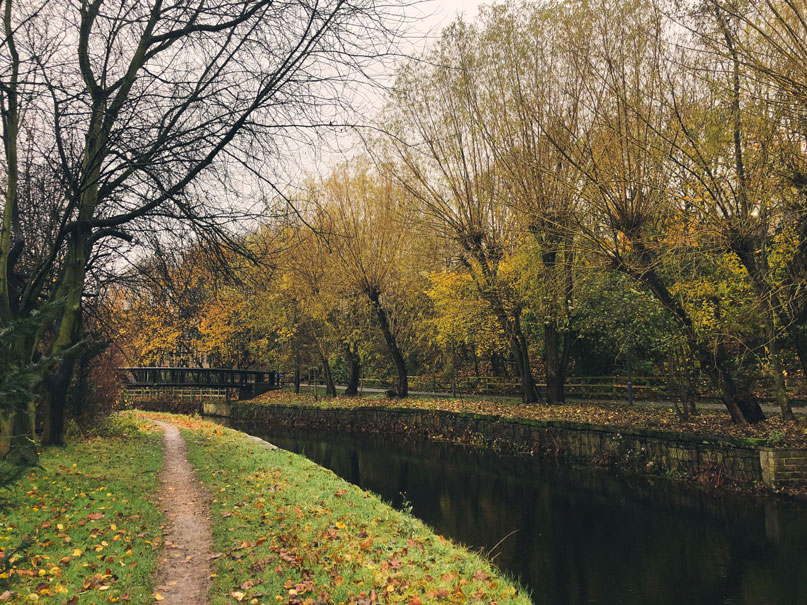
column 290, row 531
column 84, row 528
column 715, row 423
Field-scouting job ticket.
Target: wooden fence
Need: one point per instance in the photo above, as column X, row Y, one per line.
column 181, row 394
column 577, row 387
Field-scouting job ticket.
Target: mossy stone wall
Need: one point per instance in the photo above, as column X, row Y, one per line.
column 715, row 461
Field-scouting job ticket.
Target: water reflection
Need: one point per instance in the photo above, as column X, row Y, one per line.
column 582, row 535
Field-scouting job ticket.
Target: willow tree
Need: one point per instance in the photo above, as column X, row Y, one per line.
column 439, row 152
column 765, row 42
column 515, row 86
column 725, row 147
column 373, row 242
column 139, row 108
column 632, row 188
column 307, row 285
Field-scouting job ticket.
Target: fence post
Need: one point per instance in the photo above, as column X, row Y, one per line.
column 630, row 383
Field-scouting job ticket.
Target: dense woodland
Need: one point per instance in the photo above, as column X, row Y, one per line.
column 552, row 189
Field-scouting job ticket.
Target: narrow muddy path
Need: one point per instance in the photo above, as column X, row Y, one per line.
column 183, row 571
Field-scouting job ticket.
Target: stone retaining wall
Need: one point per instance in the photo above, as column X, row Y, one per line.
column 216, row 408
column 714, row 461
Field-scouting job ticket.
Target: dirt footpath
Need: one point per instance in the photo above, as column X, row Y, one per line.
column 183, row 572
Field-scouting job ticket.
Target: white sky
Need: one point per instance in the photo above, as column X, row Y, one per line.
column 450, row 8
column 440, row 13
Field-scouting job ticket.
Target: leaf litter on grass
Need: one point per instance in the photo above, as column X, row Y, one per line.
column 289, row 531
column 84, row 527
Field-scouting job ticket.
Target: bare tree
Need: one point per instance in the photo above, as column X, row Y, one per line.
column 147, row 104
column 729, row 175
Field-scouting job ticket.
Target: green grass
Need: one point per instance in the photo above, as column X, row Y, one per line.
column 290, row 531
column 85, row 528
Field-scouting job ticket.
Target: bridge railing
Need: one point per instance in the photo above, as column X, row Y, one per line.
column 158, row 376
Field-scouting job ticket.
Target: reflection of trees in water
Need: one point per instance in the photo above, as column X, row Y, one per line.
column 582, row 535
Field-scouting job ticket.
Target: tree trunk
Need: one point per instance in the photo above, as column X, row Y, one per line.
column 672, row 384
column 509, row 322
column 679, row 378
column 554, row 364
column 353, row 368
column 330, row 387
column 498, row 367
column 559, row 284
column 453, row 370
column 529, row 390
column 402, row 389
column 777, row 371
column 21, row 435
column 55, row 401
column 520, row 350
column 741, row 404
column 296, row 373
column 68, row 333
column 752, row 255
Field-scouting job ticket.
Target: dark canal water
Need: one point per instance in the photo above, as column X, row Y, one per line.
column 582, row 535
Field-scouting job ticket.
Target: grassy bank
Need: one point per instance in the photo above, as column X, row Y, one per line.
column 84, row 528
column 717, row 423
column 290, row 531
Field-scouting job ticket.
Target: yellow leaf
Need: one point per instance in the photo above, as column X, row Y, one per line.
column 158, row 596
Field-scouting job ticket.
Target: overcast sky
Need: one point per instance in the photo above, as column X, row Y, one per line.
column 428, row 18
column 442, row 12
column 451, row 7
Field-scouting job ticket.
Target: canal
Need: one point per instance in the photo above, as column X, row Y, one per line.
column 578, row 535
